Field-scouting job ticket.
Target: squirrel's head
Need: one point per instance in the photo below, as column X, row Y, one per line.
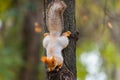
column 50, row 61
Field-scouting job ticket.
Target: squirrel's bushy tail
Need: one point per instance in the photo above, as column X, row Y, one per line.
column 55, row 16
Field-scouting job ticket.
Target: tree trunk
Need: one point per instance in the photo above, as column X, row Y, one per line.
column 68, row 70
column 31, row 41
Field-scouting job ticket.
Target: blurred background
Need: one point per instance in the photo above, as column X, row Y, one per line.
column 21, row 33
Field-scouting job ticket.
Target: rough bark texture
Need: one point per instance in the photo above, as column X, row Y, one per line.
column 68, row 71
column 31, row 42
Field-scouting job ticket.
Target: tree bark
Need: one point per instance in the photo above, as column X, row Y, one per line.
column 68, row 70
column 31, row 41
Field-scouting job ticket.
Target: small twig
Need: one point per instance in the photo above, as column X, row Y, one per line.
column 105, row 14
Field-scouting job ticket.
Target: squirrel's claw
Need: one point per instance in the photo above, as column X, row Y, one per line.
column 67, row 33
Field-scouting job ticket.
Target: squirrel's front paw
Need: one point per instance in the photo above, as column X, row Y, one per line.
column 46, row 34
column 67, row 33
column 49, row 69
column 59, row 67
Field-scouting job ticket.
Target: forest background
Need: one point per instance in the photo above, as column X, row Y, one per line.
column 98, row 47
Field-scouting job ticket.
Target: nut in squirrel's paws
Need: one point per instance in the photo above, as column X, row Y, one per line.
column 46, row 34
column 67, row 33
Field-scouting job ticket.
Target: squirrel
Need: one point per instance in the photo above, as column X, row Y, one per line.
column 55, row 41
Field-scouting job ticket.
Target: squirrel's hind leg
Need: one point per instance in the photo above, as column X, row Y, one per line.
column 68, row 33
column 46, row 34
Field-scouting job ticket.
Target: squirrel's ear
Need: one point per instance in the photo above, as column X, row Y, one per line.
column 44, row 59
